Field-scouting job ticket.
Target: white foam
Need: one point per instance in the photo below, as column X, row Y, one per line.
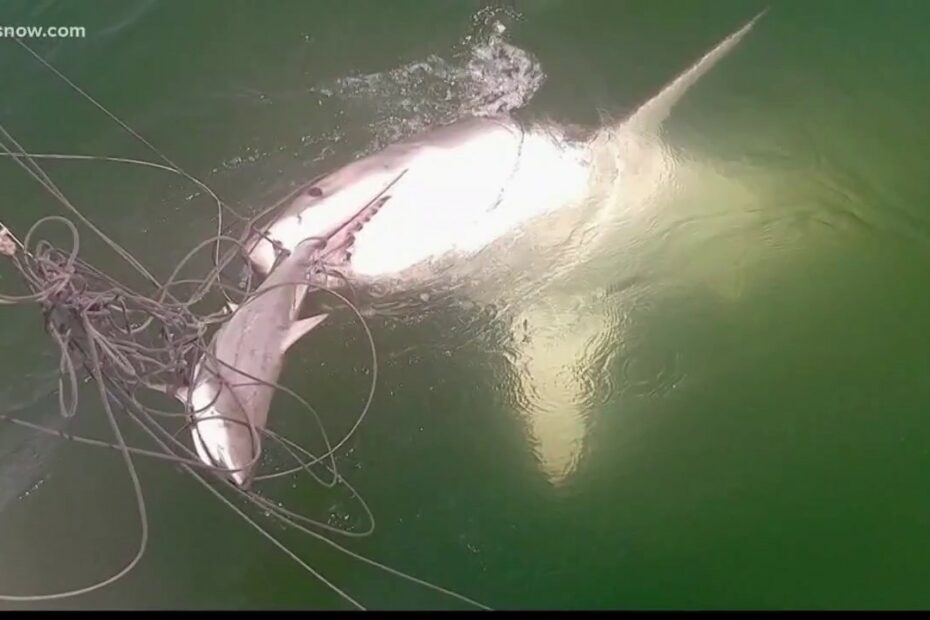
column 486, row 76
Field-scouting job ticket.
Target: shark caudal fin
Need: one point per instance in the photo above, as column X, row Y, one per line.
column 650, row 116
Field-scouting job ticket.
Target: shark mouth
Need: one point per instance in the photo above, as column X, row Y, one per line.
column 338, row 246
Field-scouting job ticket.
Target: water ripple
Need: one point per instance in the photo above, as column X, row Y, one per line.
column 485, row 75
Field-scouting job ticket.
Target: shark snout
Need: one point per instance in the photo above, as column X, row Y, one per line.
column 226, row 444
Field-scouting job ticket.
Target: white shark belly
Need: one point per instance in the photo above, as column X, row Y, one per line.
column 460, row 201
column 216, row 439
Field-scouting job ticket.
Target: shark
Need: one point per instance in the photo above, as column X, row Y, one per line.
column 450, row 193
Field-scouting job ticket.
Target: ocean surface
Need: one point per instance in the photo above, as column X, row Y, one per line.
column 723, row 408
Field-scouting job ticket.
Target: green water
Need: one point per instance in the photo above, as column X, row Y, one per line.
column 761, row 442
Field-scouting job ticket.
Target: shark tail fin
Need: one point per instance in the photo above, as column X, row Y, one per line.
column 650, row 116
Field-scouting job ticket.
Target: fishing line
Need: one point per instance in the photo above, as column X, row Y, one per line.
column 283, row 514
column 40, row 266
column 140, row 506
column 36, row 275
column 276, row 512
column 61, row 283
column 129, row 375
column 46, row 260
column 42, row 177
column 221, row 205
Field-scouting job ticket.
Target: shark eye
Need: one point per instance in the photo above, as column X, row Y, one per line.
column 314, row 191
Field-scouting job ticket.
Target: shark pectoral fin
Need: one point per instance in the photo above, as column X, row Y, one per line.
column 231, row 307
column 300, row 328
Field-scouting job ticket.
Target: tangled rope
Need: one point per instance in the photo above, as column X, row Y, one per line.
column 126, row 340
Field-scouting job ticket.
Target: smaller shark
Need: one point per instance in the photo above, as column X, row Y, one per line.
column 233, row 384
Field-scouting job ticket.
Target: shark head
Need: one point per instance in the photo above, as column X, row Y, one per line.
column 220, row 440
column 328, row 210
column 438, row 191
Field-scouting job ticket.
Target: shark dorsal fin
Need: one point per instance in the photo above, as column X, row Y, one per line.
column 300, row 328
